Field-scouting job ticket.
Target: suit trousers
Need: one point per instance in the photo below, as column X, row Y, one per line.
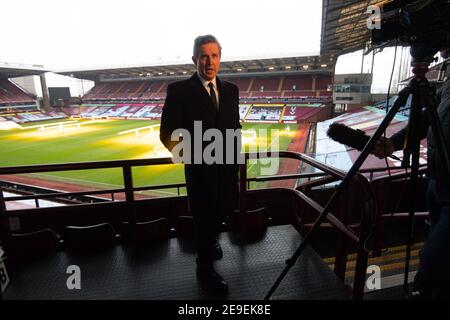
column 203, row 194
column 212, row 194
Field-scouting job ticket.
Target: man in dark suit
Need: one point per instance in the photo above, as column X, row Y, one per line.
column 199, row 104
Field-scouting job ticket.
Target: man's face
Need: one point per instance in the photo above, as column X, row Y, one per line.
column 208, row 61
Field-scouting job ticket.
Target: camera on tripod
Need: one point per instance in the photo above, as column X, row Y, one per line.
column 422, row 24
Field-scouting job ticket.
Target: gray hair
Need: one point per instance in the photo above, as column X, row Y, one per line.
column 201, row 40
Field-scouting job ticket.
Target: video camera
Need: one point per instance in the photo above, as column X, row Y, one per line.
column 422, row 24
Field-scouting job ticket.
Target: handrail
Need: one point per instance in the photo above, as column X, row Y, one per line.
column 58, row 194
column 366, row 218
column 334, row 174
column 321, row 174
column 327, row 170
column 301, row 157
column 87, row 193
column 330, row 217
column 84, row 165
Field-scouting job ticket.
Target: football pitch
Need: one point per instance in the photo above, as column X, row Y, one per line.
column 77, row 140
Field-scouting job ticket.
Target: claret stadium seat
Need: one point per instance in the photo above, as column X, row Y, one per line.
column 33, row 244
column 147, row 232
column 90, row 238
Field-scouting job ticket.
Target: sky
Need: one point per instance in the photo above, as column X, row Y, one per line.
column 76, row 34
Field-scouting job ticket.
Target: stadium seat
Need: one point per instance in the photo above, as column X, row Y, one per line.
column 33, row 244
column 148, row 232
column 90, row 238
column 251, row 222
column 185, row 227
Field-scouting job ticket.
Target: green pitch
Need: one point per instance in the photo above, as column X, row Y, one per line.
column 86, row 141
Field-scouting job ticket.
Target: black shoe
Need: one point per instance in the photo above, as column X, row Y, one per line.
column 216, row 251
column 417, row 295
column 211, row 279
column 422, row 288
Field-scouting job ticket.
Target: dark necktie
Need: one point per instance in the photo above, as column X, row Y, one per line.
column 212, row 93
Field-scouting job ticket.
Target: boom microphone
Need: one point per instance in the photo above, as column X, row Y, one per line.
column 356, row 139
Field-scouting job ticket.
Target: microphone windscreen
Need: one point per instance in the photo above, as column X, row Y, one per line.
column 356, row 139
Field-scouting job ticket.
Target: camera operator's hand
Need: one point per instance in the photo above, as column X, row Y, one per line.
column 383, row 148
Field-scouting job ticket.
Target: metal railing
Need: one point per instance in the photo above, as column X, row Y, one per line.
column 126, row 166
column 327, row 174
column 367, row 216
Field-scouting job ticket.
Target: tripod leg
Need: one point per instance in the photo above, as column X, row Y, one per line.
column 412, row 148
column 411, row 215
column 401, row 101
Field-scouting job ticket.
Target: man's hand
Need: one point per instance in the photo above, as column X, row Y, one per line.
column 383, row 148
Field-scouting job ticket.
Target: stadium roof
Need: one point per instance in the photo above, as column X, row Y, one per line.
column 344, row 25
column 273, row 66
column 12, row 70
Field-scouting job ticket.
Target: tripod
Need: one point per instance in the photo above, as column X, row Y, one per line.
column 422, row 96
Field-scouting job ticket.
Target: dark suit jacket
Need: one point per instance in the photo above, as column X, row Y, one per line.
column 187, row 101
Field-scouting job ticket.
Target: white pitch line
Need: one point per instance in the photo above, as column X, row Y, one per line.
column 90, row 181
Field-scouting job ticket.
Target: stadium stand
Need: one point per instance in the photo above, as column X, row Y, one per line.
column 383, row 105
column 28, row 113
column 129, row 90
column 322, row 83
column 132, row 109
column 71, row 111
column 11, row 94
column 297, row 83
column 96, row 112
column 161, row 92
column 304, row 87
column 152, row 90
column 265, row 94
column 243, row 83
column 298, row 94
column 243, row 110
column 265, row 84
column 298, row 114
column 264, row 114
column 280, row 113
column 142, row 100
column 116, row 111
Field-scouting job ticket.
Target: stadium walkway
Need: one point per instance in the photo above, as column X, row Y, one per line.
column 166, row 271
